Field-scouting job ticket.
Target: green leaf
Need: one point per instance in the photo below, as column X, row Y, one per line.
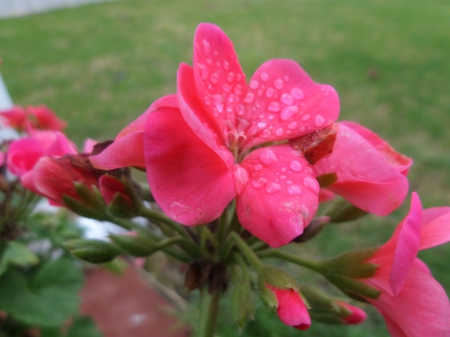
column 47, row 297
column 83, row 327
column 18, row 254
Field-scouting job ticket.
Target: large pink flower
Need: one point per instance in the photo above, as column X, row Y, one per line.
column 412, row 302
column 198, row 155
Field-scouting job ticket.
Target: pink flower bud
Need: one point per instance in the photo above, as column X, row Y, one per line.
column 356, row 314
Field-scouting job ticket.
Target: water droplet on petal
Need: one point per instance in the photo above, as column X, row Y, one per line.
column 240, row 110
column 249, row 98
column 258, row 183
column 305, row 117
column 238, row 89
column 294, row 190
column 273, row 188
column 286, row 78
column 207, row 100
column 279, row 132
column 292, row 125
column 206, row 47
column 311, row 184
column 273, row 106
column 226, row 65
column 295, row 166
column 271, row 117
column 266, row 133
column 319, row 120
column 268, row 157
column 254, row 84
column 203, row 71
column 209, row 62
column 269, row 92
column 297, row 93
column 289, row 182
column 230, row 77
column 287, row 113
column 216, row 54
column 283, row 177
column 287, row 99
column 218, row 102
column 238, row 77
column 226, row 87
column 231, row 98
column 264, row 77
column 283, row 169
column 214, row 78
column 261, row 124
column 279, row 84
column 258, row 167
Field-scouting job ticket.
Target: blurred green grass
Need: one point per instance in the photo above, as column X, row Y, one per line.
column 100, row 66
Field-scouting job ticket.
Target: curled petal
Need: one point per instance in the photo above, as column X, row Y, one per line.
column 219, row 79
column 435, row 227
column 284, row 102
column 281, row 195
column 365, row 178
column 396, row 159
column 23, row 154
column 190, row 182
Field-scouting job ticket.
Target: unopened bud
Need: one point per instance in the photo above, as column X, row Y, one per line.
column 341, row 211
column 134, row 244
column 93, row 251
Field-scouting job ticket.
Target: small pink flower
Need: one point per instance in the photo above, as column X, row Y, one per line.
column 412, row 302
column 291, row 308
column 356, row 315
column 41, row 117
column 16, row 117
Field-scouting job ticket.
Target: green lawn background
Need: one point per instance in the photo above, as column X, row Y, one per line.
column 100, row 66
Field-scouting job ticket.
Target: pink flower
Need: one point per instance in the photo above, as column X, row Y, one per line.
column 370, row 174
column 41, row 117
column 16, row 117
column 291, row 308
column 197, row 155
column 110, row 186
column 412, row 302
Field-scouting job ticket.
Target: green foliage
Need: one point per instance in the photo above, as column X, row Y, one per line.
column 18, row 254
column 47, row 296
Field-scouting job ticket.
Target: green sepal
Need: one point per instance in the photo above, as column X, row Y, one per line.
column 325, row 180
column 84, row 210
column 208, row 241
column 319, row 301
column 327, row 318
column 93, row 251
column 351, row 264
column 120, row 206
column 135, row 245
column 91, row 196
column 353, row 288
column 342, row 211
column 242, row 305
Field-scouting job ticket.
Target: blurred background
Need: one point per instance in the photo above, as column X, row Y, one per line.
column 99, row 66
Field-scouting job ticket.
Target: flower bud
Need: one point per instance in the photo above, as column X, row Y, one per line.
column 121, row 195
column 242, row 306
column 341, row 211
column 93, row 251
column 134, row 244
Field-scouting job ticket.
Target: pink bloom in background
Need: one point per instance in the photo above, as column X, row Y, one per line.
column 16, row 117
column 2, row 158
column 370, row 174
column 291, row 308
column 412, row 302
column 32, row 118
column 198, row 152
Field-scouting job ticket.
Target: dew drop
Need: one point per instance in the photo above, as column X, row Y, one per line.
column 259, row 183
column 203, row 71
column 295, row 166
column 286, row 78
column 273, row 188
column 238, row 89
column 216, row 54
column 288, row 112
column 240, row 110
column 206, row 47
column 294, row 190
column 269, row 92
column 226, row 65
column 238, row 77
column 261, row 116
column 268, row 157
column 214, row 78
column 249, row 98
column 302, row 129
column 283, row 177
column 292, row 125
column 289, row 182
column 254, row 84
column 279, row 132
column 319, row 120
column 226, row 87
column 258, row 167
column 266, row 133
column 271, row 117
column 207, row 100
column 218, row 102
column 230, row 77
column 297, row 93
column 261, row 124
column 279, row 84
column 283, row 169
column 231, row 98
column 273, row 106
column 306, row 117
column 311, row 184
column 209, row 62
column 264, row 77
column 287, row 99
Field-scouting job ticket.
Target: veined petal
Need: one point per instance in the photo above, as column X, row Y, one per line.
column 365, row 178
column 219, row 79
column 284, row 102
column 190, row 182
column 281, row 196
column 435, row 227
column 396, row 159
column 197, row 117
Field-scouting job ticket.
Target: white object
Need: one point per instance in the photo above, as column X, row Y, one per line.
column 5, row 98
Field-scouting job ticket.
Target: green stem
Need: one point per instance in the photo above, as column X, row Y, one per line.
column 208, row 314
column 156, row 216
column 245, row 250
column 311, row 264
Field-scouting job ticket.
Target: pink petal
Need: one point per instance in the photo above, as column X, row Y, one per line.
column 420, row 309
column 283, row 102
column 396, row 159
column 365, row 178
column 16, row 117
column 110, row 186
column 2, row 158
column 23, row 154
column 61, row 146
column 291, row 308
column 407, row 245
column 89, row 144
column 219, row 79
column 356, row 316
column 124, row 152
column 281, row 196
column 435, row 227
column 45, row 118
column 198, row 119
column 190, row 182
